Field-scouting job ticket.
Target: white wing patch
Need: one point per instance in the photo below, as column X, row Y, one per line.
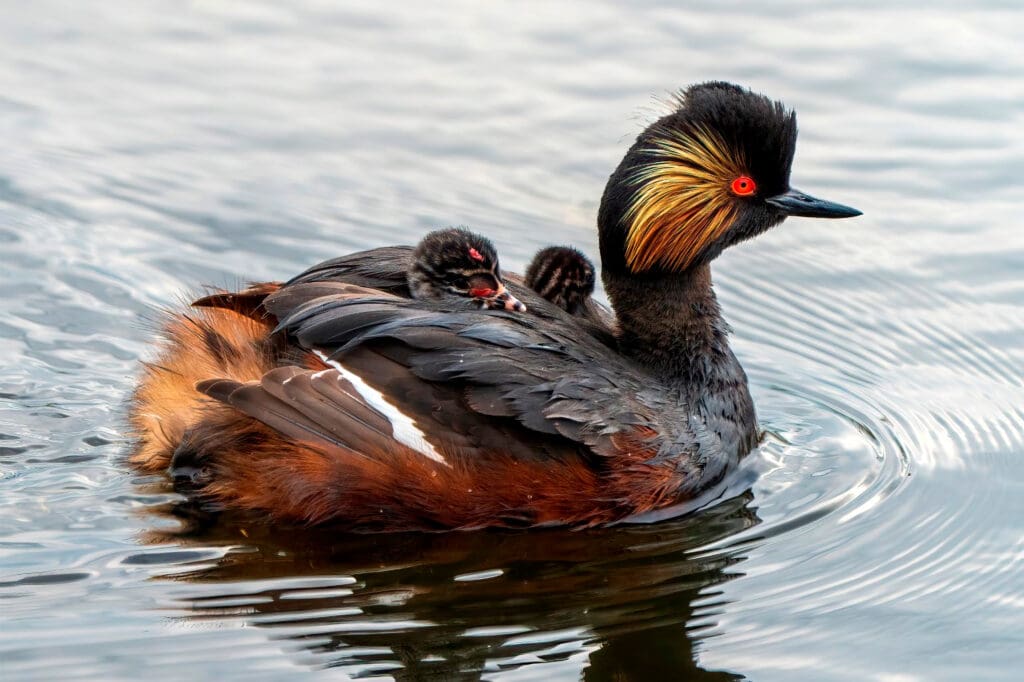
column 404, row 428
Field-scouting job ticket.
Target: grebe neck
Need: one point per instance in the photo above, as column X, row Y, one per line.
column 671, row 324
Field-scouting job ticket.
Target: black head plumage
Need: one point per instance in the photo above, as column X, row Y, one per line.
column 762, row 131
column 697, row 180
column 457, row 262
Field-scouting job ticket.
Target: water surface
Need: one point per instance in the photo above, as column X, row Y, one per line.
column 877, row 534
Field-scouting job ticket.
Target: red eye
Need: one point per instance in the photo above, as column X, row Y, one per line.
column 743, row 186
column 481, row 293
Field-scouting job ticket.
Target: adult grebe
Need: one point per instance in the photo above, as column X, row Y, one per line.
column 337, row 398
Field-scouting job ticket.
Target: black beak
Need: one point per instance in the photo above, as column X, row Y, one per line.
column 796, row 203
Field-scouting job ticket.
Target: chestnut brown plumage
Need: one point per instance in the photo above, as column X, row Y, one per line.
column 348, row 401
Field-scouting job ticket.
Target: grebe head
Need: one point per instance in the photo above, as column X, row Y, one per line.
column 563, row 276
column 711, row 174
column 457, row 262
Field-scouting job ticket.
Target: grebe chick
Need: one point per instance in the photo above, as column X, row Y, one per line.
column 459, row 263
column 563, row 276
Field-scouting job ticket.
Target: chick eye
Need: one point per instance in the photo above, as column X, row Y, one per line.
column 743, row 186
column 482, row 282
column 458, row 282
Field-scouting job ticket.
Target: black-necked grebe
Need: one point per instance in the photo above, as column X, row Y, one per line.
column 350, row 402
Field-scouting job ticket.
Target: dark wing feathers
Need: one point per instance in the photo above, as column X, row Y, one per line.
column 307, row 405
column 384, row 269
column 254, row 400
column 489, row 401
column 248, row 302
column 496, row 334
column 549, row 379
column 540, row 384
column 285, row 299
column 218, row 389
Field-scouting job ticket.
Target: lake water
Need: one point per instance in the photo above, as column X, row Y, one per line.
column 153, row 147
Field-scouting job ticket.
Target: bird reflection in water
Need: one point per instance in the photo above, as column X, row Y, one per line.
column 467, row 605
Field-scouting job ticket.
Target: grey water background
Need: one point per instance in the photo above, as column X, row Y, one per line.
column 149, row 148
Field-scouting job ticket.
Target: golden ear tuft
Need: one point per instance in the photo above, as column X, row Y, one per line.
column 682, row 203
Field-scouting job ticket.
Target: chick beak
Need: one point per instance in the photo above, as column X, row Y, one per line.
column 503, row 299
column 795, row 203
